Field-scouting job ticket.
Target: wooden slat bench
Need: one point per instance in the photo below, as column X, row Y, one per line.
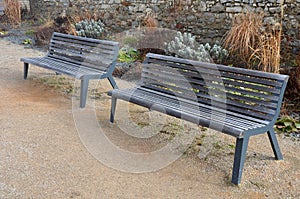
column 235, row 101
column 79, row 57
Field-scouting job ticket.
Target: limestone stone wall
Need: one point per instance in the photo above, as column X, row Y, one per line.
column 209, row 20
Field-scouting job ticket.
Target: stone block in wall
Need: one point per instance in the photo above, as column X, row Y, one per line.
column 202, row 6
column 217, row 8
column 234, row 9
column 191, row 18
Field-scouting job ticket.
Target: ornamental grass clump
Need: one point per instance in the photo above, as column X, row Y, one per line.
column 255, row 43
column 268, row 52
column 269, row 45
column 242, row 39
column 12, row 11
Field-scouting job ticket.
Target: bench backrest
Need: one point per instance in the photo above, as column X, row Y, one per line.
column 86, row 52
column 253, row 93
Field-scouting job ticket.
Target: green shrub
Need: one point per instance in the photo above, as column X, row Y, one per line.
column 287, row 125
column 185, row 46
column 30, row 32
column 128, row 55
column 90, row 28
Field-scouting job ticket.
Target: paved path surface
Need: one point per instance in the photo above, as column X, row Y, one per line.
column 42, row 156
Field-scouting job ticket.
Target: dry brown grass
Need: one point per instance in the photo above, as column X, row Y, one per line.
column 244, row 34
column 256, row 44
column 13, row 11
column 150, row 22
column 43, row 33
column 268, row 50
column 76, row 16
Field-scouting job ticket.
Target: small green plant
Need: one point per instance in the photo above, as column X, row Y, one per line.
column 90, row 28
column 3, row 33
column 30, row 32
column 171, row 130
column 27, row 42
column 128, row 55
column 96, row 94
column 143, row 124
column 287, row 124
column 42, row 21
column 185, row 46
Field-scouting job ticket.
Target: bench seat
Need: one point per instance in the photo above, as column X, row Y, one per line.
column 74, row 70
column 231, row 123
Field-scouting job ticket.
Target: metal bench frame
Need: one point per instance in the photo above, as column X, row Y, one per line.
column 250, row 107
column 79, row 57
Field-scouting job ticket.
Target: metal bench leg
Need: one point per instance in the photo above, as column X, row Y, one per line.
column 112, row 82
column 274, row 144
column 113, row 109
column 26, row 66
column 239, row 159
column 83, row 92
